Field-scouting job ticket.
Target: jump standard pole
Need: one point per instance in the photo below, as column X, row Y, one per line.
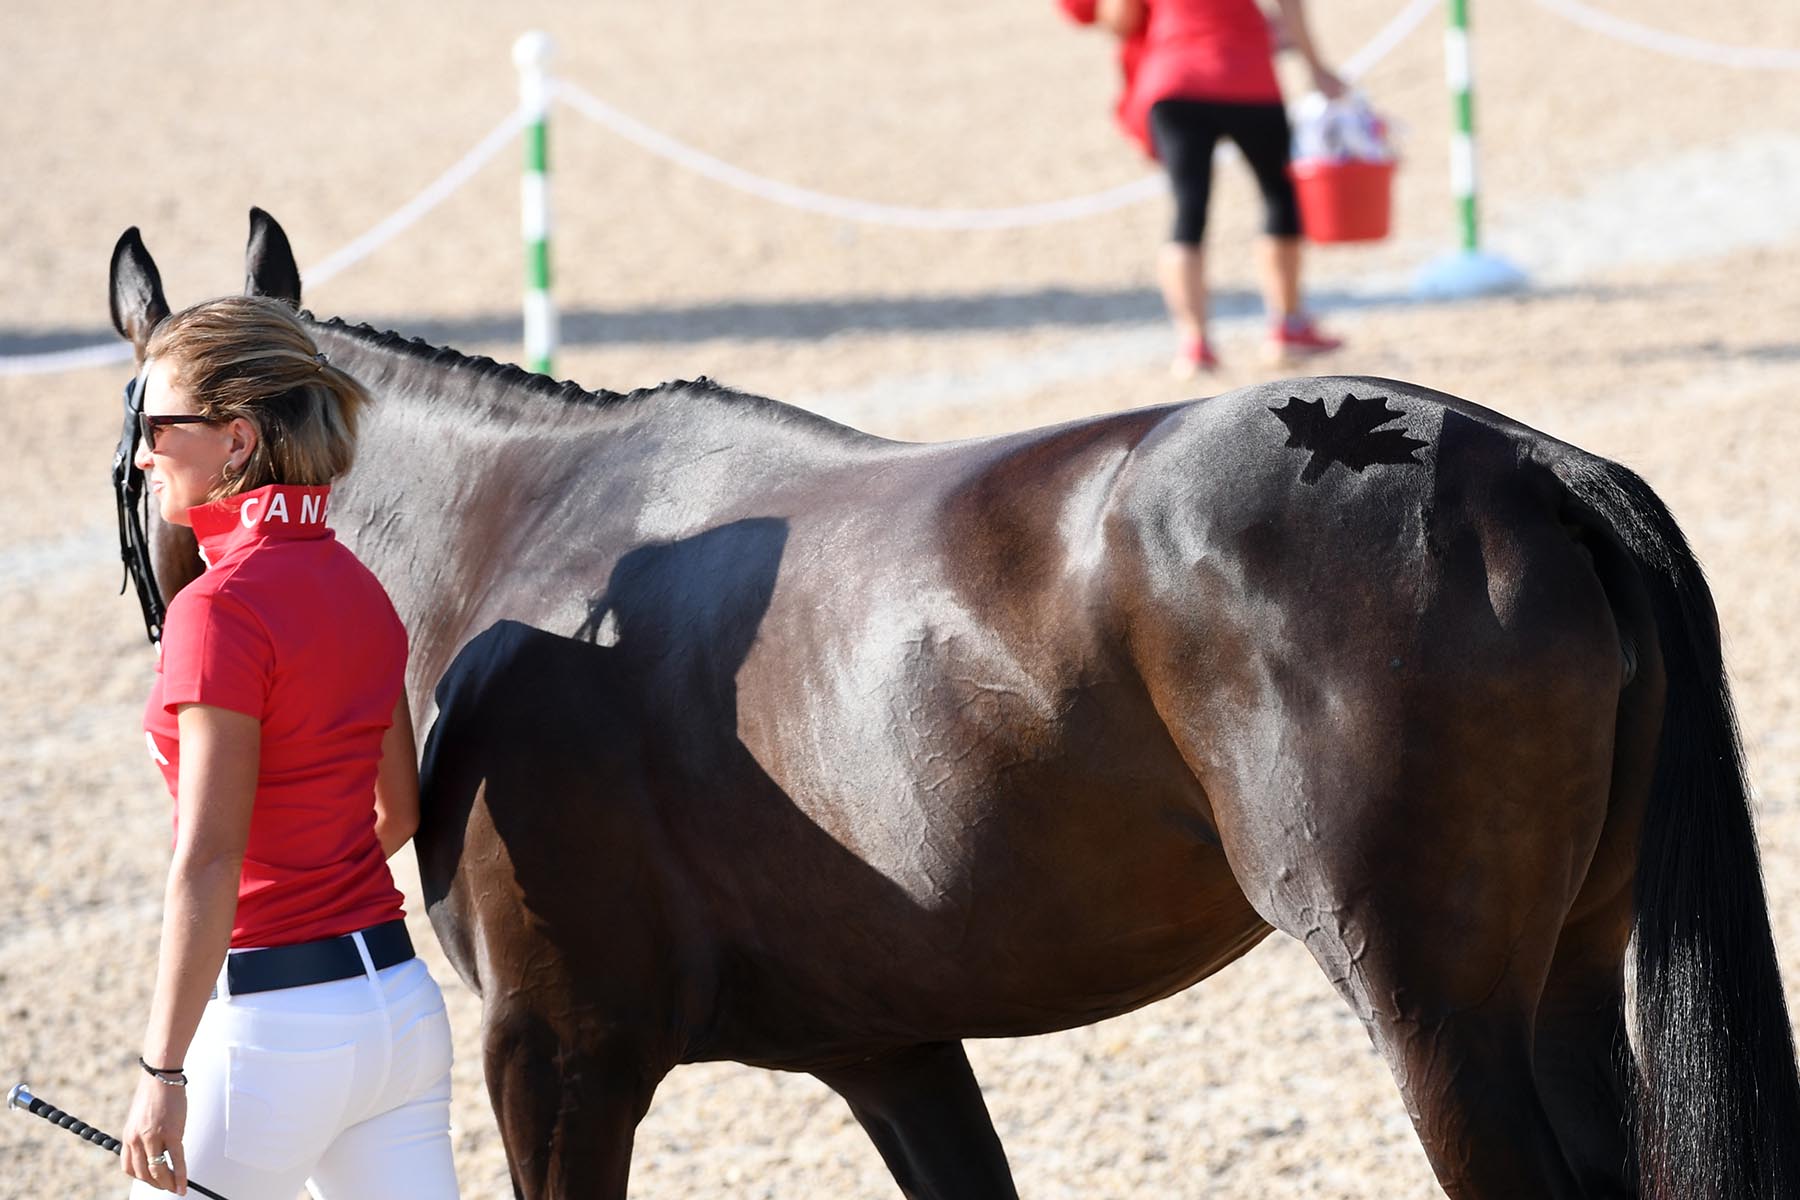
column 531, row 54
column 1468, row 271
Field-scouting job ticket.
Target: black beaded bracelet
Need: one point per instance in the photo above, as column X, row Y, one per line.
column 161, row 1074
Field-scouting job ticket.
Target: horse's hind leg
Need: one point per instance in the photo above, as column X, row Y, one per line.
column 923, row 1110
column 568, row 1107
column 1433, row 890
column 1461, row 1049
column 1584, row 1064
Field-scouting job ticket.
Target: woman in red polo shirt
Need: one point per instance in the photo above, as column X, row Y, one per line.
column 1196, row 71
column 293, row 1036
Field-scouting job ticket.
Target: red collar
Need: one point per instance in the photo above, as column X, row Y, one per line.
column 277, row 512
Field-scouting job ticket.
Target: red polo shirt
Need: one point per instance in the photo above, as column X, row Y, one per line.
column 1218, row 50
column 287, row 626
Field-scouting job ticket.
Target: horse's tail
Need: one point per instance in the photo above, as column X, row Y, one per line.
column 1718, row 1095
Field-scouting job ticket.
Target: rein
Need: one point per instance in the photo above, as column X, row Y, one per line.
column 129, row 495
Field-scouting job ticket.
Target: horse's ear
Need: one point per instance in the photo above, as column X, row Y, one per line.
column 269, row 268
column 136, row 290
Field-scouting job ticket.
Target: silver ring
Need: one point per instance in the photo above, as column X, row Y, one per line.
column 163, row 1159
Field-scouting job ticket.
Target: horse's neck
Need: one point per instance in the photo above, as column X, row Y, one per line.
column 429, row 494
column 464, row 470
column 481, row 491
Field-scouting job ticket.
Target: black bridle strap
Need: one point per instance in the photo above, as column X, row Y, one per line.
column 20, row 1098
column 129, row 495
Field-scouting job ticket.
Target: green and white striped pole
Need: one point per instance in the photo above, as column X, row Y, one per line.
column 1468, row 272
column 531, row 54
column 1459, row 72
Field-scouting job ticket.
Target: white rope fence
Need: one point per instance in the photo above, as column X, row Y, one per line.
column 842, row 207
column 1744, row 58
column 101, row 354
column 1388, row 37
column 868, row 212
column 435, row 193
column 698, row 161
column 384, row 231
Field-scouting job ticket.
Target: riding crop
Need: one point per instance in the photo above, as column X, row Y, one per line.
column 21, row 1098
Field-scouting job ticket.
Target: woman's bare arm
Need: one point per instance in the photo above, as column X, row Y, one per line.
column 1293, row 18
column 220, row 752
column 397, row 782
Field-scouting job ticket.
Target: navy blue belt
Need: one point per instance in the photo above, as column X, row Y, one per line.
column 315, row 962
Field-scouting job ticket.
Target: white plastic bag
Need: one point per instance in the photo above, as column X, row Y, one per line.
column 1345, row 129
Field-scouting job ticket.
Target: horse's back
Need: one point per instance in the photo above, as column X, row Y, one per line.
column 860, row 693
column 875, row 690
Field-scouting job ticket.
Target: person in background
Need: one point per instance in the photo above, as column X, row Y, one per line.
column 1196, row 71
column 293, row 1036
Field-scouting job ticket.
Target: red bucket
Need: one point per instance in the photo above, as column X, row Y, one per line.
column 1346, row 201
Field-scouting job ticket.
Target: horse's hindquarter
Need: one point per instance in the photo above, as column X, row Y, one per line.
column 1387, row 661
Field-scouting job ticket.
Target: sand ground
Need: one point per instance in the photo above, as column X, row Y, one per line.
column 1676, row 352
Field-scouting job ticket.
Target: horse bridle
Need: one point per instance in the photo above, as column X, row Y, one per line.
column 129, row 494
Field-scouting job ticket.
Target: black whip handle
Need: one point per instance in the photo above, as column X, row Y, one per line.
column 26, row 1102
column 76, row 1126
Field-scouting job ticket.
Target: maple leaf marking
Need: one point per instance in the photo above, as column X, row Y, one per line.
column 1352, row 435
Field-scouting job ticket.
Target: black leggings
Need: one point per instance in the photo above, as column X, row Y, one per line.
column 1185, row 132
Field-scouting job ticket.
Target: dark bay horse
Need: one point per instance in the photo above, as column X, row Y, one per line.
column 754, row 737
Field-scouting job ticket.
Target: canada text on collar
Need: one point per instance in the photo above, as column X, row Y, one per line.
column 277, row 511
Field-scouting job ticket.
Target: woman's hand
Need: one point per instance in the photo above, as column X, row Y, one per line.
column 1291, row 15
column 1327, row 81
column 158, row 1119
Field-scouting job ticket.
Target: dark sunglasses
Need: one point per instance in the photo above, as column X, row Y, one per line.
column 148, row 424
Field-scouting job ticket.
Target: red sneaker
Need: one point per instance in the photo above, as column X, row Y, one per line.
column 1298, row 337
column 1194, row 357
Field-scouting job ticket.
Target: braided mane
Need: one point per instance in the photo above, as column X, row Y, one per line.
column 510, row 375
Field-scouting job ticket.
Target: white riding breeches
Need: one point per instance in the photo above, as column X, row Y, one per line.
column 342, row 1087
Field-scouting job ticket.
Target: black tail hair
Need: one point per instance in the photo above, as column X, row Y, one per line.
column 1717, row 1113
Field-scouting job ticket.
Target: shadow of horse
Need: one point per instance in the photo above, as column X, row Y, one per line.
column 597, row 838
